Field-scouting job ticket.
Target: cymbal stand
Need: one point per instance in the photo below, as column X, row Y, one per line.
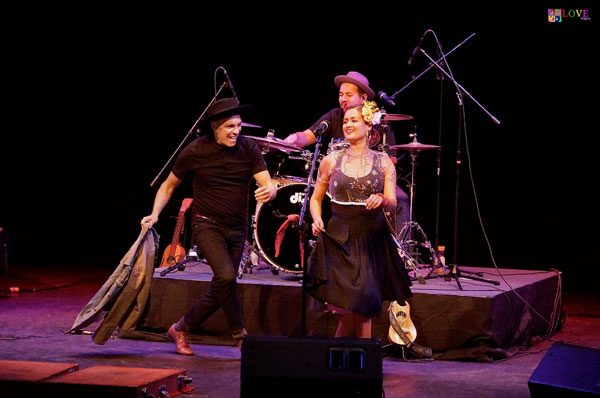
column 411, row 234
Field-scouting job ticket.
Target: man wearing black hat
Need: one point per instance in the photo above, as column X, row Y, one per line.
column 222, row 166
column 353, row 90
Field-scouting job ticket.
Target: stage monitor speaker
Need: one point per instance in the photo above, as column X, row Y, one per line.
column 567, row 371
column 275, row 366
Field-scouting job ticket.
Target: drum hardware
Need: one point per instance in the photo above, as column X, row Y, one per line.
column 412, row 236
column 282, row 158
column 409, row 262
column 386, row 118
column 406, row 235
column 410, row 241
column 252, row 257
column 271, row 144
column 269, row 218
column 383, row 148
column 250, row 260
column 306, row 156
column 280, row 180
column 337, row 144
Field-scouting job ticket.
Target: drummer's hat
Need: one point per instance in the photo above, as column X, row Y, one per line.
column 358, row 80
column 224, row 107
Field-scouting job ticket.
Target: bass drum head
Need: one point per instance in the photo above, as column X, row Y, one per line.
column 270, row 216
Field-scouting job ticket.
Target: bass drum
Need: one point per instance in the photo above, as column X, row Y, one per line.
column 270, row 216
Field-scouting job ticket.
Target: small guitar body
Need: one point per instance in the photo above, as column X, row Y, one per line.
column 400, row 318
column 175, row 251
column 172, row 255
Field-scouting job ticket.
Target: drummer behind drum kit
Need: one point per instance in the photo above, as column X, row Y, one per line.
column 276, row 238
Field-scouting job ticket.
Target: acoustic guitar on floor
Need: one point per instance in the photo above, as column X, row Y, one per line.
column 402, row 329
column 175, row 251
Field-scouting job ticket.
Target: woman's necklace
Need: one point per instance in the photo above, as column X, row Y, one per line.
column 356, row 170
column 365, row 151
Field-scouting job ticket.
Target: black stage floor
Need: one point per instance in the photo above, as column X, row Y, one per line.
column 32, row 322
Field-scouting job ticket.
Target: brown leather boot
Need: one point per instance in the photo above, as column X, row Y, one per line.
column 181, row 341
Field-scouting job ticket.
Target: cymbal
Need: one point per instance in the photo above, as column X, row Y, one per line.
column 244, row 124
column 391, row 117
column 268, row 143
column 415, row 146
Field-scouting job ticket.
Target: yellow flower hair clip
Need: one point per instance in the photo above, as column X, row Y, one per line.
column 371, row 113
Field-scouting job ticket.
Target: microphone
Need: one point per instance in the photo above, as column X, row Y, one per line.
column 386, row 98
column 414, row 53
column 230, row 85
column 321, row 128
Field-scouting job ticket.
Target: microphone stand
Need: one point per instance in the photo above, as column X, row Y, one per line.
column 302, row 229
column 189, row 134
column 440, row 77
column 179, row 266
column 414, row 79
column 461, row 89
column 456, row 272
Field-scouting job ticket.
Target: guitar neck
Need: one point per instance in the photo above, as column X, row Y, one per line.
column 177, row 232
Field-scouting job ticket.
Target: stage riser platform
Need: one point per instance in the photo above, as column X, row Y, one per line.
column 447, row 318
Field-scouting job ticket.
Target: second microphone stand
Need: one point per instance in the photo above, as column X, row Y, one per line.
column 461, row 91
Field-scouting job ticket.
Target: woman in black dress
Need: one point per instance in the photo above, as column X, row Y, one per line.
column 355, row 265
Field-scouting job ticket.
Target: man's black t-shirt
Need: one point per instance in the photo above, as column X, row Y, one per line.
column 221, row 177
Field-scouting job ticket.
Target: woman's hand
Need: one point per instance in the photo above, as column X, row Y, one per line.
column 375, row 201
column 318, row 226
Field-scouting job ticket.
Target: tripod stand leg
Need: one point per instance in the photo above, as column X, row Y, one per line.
column 251, row 260
column 412, row 235
column 246, row 264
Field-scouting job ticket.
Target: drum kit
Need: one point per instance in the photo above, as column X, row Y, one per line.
column 276, row 236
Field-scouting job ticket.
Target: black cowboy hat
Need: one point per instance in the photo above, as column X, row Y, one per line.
column 224, row 107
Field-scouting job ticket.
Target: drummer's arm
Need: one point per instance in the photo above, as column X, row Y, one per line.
column 266, row 189
column 301, row 138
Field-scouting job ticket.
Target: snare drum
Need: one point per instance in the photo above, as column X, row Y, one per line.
column 271, row 215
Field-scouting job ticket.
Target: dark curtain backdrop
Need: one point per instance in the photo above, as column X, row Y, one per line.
column 99, row 96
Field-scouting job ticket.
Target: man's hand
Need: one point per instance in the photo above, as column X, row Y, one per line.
column 262, row 194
